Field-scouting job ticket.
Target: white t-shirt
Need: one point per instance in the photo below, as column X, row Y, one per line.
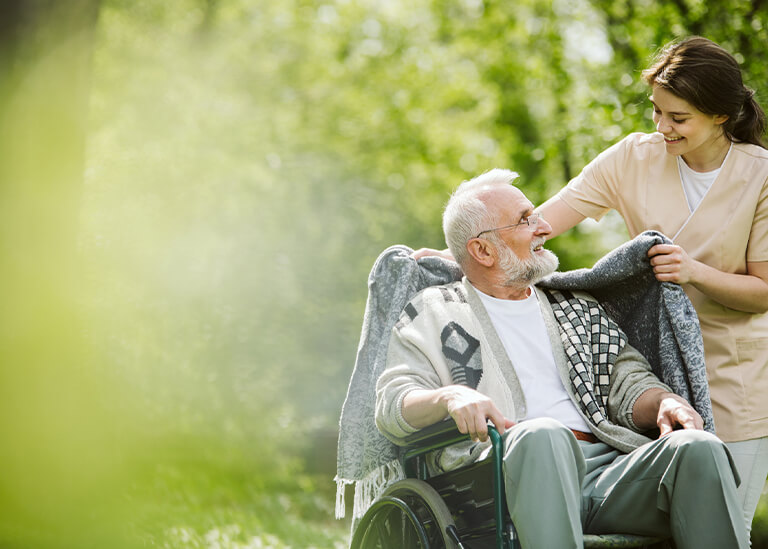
column 696, row 184
column 521, row 329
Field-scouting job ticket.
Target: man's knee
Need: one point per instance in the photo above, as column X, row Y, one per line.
column 695, row 441
column 544, row 460
column 539, row 436
column 700, row 452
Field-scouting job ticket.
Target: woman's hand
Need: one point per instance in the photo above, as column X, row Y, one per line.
column 426, row 252
column 672, row 264
column 742, row 292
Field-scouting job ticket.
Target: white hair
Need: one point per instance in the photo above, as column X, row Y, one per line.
column 466, row 215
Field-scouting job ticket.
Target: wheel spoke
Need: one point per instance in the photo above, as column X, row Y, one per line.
column 428, row 521
column 381, row 532
column 407, row 533
column 410, row 515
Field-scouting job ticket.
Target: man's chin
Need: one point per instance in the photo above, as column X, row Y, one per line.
column 546, row 264
column 554, row 261
column 530, row 271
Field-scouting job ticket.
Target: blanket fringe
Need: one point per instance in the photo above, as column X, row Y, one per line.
column 341, row 503
column 367, row 489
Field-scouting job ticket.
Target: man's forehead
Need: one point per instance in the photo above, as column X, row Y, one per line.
column 507, row 199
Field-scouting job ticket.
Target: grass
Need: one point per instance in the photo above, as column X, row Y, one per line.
column 760, row 524
column 215, row 499
column 206, row 507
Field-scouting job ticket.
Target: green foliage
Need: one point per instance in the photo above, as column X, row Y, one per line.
column 245, row 163
column 760, row 524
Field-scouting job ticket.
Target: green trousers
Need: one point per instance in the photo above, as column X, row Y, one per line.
column 682, row 485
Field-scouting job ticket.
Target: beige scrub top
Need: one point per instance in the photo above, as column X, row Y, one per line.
column 637, row 178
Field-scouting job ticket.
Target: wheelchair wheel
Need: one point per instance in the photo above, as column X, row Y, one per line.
column 410, row 514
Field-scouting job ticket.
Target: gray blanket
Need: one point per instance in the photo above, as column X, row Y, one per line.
column 658, row 319
column 365, row 458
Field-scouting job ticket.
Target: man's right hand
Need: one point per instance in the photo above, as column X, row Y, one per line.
column 471, row 411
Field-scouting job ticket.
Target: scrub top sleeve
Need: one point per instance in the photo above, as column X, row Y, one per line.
column 757, row 248
column 593, row 192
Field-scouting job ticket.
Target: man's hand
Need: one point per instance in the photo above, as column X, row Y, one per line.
column 674, row 411
column 665, row 410
column 471, row 411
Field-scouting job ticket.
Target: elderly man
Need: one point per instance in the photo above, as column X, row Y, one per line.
column 555, row 375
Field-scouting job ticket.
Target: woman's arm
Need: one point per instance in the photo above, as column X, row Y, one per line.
column 743, row 292
column 559, row 215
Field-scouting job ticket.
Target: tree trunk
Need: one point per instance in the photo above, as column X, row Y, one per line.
column 51, row 460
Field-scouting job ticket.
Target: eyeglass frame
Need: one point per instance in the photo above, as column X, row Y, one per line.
column 526, row 221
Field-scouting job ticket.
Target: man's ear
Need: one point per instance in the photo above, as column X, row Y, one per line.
column 482, row 251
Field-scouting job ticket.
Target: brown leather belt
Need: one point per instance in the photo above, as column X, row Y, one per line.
column 586, row 437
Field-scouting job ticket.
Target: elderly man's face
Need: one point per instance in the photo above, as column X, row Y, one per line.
column 520, row 248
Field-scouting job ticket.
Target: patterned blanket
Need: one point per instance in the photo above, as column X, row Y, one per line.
column 657, row 317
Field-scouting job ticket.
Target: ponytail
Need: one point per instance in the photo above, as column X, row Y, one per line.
column 749, row 124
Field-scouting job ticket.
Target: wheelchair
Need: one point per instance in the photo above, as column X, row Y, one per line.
column 461, row 509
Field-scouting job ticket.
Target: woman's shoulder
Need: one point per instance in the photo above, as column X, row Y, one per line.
column 750, row 162
column 638, row 146
column 640, row 140
column 752, row 151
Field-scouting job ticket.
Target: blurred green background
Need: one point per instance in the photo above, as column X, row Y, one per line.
column 192, row 193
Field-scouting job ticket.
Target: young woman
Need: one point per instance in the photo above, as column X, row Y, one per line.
column 701, row 179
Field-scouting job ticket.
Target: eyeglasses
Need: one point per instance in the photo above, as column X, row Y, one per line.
column 531, row 221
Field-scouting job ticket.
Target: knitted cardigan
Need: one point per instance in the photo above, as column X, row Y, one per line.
column 368, row 460
column 445, row 337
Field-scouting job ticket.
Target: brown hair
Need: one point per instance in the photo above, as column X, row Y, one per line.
column 709, row 78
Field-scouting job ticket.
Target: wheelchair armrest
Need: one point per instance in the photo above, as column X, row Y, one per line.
column 439, row 435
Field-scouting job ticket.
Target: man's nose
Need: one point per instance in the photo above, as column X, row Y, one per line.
column 542, row 227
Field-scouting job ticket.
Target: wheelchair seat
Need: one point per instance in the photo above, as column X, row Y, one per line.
column 463, row 508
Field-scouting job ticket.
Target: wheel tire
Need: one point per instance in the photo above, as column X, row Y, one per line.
column 410, row 514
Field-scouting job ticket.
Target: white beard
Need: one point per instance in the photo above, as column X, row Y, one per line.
column 526, row 272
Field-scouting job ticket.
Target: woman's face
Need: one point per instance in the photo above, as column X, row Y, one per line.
column 687, row 131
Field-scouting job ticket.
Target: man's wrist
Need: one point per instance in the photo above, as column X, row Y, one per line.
column 645, row 413
column 444, row 396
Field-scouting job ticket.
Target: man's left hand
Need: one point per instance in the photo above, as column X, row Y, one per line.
column 676, row 412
